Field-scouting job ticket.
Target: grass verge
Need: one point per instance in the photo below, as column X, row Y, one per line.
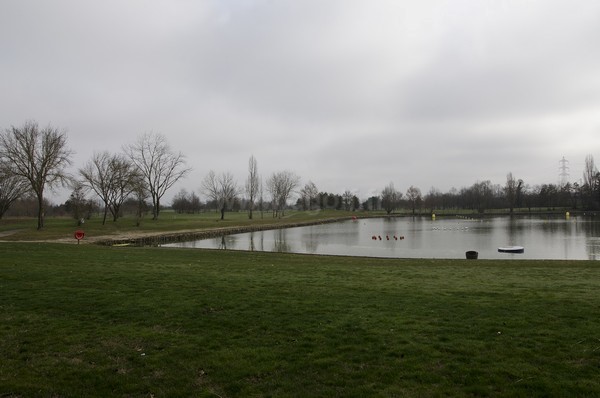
column 24, row 229
column 140, row 322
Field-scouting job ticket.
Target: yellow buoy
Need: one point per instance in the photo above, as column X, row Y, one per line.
column 567, row 215
column 433, row 216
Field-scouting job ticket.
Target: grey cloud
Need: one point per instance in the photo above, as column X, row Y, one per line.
column 349, row 94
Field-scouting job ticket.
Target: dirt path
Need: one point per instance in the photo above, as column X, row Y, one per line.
column 8, row 233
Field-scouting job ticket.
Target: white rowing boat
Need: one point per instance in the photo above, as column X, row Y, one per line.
column 511, row 249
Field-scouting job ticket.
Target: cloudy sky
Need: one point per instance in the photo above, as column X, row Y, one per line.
column 351, row 94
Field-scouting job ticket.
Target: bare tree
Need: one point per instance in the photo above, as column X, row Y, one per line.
column 413, row 195
column 140, row 193
column 512, row 190
column 281, row 185
column 38, row 156
column 78, row 203
column 12, row 187
column 348, row 200
column 433, row 198
column 210, row 186
column 390, row 198
column 95, row 176
column 229, row 191
column 589, row 171
column 590, row 181
column 159, row 166
column 113, row 178
column 261, row 200
column 309, row 195
column 126, row 179
column 222, row 189
column 252, row 184
column 181, row 202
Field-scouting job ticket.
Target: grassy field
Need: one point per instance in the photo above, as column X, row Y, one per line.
column 19, row 229
column 151, row 322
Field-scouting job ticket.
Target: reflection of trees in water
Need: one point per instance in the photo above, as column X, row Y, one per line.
column 311, row 242
column 256, row 241
column 251, row 245
column 590, row 225
column 586, row 225
column 280, row 245
column 592, row 246
column 226, row 242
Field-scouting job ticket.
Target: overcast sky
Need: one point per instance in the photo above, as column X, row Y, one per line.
column 351, row 94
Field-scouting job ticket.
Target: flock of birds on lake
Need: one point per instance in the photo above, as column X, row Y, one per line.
column 401, row 237
column 387, row 237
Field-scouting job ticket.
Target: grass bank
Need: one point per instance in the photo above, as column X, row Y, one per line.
column 139, row 322
column 169, row 223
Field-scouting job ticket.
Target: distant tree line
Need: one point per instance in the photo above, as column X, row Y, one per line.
column 34, row 159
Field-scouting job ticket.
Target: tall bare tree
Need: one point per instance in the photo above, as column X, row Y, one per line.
column 222, row 189
column 433, row 198
column 309, row 195
column 348, row 200
column 590, row 181
column 281, row 185
column 210, row 187
column 78, row 203
column 12, row 187
column 113, row 178
column 390, row 198
column 126, row 180
column 512, row 190
column 261, row 199
column 413, row 195
column 38, row 156
column 140, row 194
column 158, row 165
column 252, row 184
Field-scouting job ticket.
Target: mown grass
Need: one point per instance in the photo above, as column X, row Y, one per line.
column 140, row 322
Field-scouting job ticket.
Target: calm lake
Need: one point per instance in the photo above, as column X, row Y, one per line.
column 577, row 238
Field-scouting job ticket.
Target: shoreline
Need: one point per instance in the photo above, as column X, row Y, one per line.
column 156, row 239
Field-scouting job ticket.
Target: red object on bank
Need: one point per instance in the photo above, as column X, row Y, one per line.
column 79, row 234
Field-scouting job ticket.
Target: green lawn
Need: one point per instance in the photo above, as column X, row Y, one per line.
column 19, row 229
column 140, row 322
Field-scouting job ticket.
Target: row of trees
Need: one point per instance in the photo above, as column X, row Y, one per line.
column 223, row 190
column 484, row 195
column 34, row 159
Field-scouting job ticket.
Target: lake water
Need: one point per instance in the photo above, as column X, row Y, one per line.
column 577, row 238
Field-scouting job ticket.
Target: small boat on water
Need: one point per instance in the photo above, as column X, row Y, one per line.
column 511, row 249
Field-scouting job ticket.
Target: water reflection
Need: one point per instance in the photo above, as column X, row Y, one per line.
column 543, row 238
